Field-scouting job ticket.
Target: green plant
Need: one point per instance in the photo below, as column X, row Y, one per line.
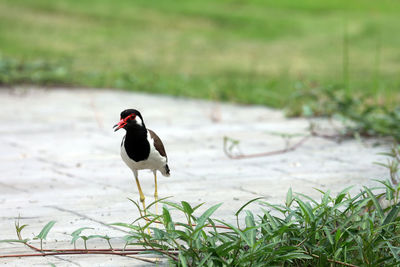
column 341, row 230
column 359, row 113
column 43, row 72
column 392, row 164
column 45, row 231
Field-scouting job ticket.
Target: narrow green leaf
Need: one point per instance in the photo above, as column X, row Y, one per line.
column 183, row 260
column 158, row 233
column 389, row 194
column 172, row 204
column 19, row 228
column 388, row 187
column 282, row 209
column 182, row 235
column 43, row 234
column 224, row 248
column 98, row 236
column 307, row 197
column 202, row 219
column 74, row 238
column 187, row 208
column 272, row 222
column 251, row 231
column 375, row 201
column 168, row 223
column 238, row 231
column 198, row 206
column 184, row 225
column 339, row 198
column 289, row 197
column 392, row 214
column 135, row 203
column 204, row 260
column 328, row 235
column 338, row 235
column 127, row 225
column 337, row 253
column 161, row 200
column 306, row 210
column 251, row 201
column 342, row 194
column 128, row 238
column 394, row 251
column 79, row 231
column 326, row 197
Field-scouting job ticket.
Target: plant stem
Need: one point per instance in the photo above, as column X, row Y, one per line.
column 109, row 243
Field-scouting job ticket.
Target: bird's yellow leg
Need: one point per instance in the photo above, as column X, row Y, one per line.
column 141, row 194
column 155, row 192
column 141, row 197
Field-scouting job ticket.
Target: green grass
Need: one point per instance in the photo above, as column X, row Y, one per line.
column 243, row 51
column 337, row 230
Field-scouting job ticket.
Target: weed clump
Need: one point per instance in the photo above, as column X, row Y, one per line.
column 361, row 114
column 345, row 230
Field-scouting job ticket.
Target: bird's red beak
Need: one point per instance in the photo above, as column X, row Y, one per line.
column 121, row 123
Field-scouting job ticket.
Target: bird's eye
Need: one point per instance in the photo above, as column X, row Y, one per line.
column 130, row 117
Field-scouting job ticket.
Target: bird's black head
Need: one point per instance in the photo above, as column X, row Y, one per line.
column 129, row 118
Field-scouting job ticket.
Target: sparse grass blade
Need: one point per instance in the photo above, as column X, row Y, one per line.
column 169, row 224
column 245, row 205
column 341, row 230
column 375, row 201
column 307, row 211
column 203, row 218
column 187, row 208
column 237, row 231
column 289, row 197
column 392, row 215
column 183, row 260
column 79, row 231
column 126, row 225
column 46, row 229
column 251, row 231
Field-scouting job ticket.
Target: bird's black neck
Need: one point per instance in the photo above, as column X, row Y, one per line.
column 136, row 145
column 137, row 131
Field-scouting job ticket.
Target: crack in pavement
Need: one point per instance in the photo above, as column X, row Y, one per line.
column 19, row 218
column 85, row 217
column 240, row 188
column 67, row 260
column 51, row 162
column 14, row 187
column 70, row 175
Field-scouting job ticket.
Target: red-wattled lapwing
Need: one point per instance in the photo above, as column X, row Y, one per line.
column 141, row 149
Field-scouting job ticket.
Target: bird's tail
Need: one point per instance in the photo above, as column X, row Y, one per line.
column 166, row 172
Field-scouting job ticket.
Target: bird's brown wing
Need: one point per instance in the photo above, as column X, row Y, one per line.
column 158, row 144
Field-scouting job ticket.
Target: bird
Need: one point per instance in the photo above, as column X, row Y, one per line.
column 141, row 149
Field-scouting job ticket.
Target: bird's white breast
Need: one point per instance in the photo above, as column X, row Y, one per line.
column 154, row 162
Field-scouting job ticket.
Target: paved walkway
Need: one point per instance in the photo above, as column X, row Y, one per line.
column 60, row 161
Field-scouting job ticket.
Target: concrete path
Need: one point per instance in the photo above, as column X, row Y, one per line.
column 60, row 161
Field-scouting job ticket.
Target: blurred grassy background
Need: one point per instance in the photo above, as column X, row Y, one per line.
column 247, row 51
